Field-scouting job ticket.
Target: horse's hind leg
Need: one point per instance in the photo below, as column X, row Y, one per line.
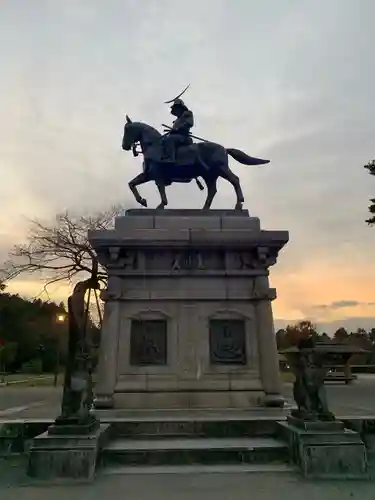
column 140, row 179
column 228, row 175
column 163, row 195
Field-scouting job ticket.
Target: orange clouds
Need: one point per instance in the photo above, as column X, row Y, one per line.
column 32, row 288
column 319, row 282
column 316, row 283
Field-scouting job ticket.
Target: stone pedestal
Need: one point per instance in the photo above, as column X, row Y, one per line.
column 74, row 426
column 325, row 449
column 188, row 318
column 59, row 456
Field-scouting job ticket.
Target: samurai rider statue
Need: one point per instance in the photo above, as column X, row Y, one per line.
column 179, row 134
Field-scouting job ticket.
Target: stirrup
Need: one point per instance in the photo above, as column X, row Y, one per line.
column 170, row 158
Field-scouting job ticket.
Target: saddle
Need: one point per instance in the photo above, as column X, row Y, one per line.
column 185, row 155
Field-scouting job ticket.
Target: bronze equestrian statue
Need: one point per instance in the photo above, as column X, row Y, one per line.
column 175, row 158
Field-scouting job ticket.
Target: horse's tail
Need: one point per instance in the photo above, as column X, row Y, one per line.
column 199, row 184
column 245, row 159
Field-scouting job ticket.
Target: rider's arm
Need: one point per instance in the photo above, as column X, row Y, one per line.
column 185, row 122
column 188, row 119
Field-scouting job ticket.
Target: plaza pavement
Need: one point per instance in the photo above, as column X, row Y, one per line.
column 354, row 400
column 357, row 399
column 195, row 486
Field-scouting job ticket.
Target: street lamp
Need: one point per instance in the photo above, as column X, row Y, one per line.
column 60, row 319
column 2, row 365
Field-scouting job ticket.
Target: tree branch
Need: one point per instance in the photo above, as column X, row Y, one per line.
column 59, row 251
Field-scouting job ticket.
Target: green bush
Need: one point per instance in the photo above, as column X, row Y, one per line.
column 33, row 366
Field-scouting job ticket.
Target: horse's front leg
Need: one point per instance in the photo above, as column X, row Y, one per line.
column 211, row 191
column 140, row 179
column 164, row 201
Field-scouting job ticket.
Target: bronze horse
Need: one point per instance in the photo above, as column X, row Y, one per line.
column 206, row 160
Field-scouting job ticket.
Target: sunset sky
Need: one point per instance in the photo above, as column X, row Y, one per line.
column 288, row 80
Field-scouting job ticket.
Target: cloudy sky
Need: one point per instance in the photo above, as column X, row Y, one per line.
column 286, row 80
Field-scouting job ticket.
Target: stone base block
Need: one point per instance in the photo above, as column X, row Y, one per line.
column 308, row 425
column 336, row 454
column 66, row 456
column 273, row 401
column 73, row 426
column 103, row 402
column 187, row 399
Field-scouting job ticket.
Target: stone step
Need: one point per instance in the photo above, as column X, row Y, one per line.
column 193, row 414
column 194, row 428
column 197, row 469
column 180, row 451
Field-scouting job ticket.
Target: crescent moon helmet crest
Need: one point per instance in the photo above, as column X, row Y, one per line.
column 179, row 95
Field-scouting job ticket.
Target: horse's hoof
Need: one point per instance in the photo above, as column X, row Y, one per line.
column 160, row 207
column 238, row 206
column 143, row 202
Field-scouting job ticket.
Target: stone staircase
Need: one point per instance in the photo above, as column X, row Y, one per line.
column 179, row 444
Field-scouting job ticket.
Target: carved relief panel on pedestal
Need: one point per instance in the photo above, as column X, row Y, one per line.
column 252, row 259
column 191, row 259
column 187, row 260
column 184, row 260
column 123, row 258
column 227, row 339
column 148, row 342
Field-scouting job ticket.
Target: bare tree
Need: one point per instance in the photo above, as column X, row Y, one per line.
column 59, row 251
column 371, row 169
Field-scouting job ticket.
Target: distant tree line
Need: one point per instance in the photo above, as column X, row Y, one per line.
column 290, row 336
column 31, row 336
column 34, row 334
column 32, row 339
column 370, row 167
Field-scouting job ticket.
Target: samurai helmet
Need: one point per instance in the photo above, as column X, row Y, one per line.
column 178, row 103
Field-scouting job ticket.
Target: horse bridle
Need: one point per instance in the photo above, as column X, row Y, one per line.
column 134, row 149
column 138, row 143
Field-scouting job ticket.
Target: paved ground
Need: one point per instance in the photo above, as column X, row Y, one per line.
column 356, row 399
column 230, row 486
column 16, row 401
column 43, row 402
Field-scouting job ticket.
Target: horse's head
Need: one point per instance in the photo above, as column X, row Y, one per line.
column 131, row 134
column 138, row 132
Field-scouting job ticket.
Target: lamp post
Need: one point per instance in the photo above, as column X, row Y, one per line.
column 60, row 319
column 2, row 365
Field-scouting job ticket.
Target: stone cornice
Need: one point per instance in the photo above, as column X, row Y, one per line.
column 122, row 295
column 191, row 238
